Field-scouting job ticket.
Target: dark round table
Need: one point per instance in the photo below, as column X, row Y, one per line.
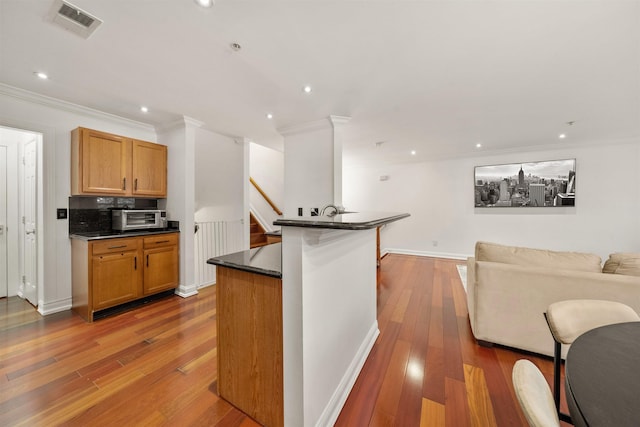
column 602, row 376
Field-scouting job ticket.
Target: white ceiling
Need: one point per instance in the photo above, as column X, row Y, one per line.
column 437, row 77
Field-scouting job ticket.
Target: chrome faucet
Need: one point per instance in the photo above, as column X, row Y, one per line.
column 336, row 210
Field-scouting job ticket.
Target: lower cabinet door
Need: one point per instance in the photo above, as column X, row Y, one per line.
column 160, row 269
column 116, row 279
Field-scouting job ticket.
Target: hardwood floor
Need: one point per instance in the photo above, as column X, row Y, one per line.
column 14, row 311
column 156, row 365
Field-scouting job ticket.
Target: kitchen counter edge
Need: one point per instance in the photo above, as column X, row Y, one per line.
column 94, row 236
column 348, row 221
column 264, row 260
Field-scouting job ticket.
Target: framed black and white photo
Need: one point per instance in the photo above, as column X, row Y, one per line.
column 533, row 184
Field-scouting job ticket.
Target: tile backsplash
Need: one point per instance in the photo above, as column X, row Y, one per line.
column 93, row 214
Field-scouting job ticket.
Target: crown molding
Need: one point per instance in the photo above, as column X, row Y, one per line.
column 339, row 120
column 305, row 127
column 181, row 123
column 326, row 123
column 58, row 104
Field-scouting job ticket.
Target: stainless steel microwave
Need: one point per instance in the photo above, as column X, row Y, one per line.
column 138, row 219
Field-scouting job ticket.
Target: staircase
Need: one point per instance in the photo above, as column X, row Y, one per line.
column 258, row 236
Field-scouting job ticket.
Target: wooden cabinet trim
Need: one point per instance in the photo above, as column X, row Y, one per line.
column 116, row 245
column 160, row 240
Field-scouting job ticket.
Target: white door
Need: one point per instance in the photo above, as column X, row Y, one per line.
column 3, row 221
column 30, row 235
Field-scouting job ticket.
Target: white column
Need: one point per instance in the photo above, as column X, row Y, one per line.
column 312, row 165
column 338, row 123
column 246, row 200
column 179, row 137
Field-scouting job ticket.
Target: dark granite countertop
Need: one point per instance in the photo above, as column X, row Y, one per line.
column 346, row 221
column 101, row 235
column 265, row 260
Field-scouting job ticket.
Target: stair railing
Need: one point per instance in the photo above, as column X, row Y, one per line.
column 265, row 197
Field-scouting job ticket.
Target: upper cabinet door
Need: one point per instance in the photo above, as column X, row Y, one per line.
column 149, row 169
column 99, row 163
column 107, row 164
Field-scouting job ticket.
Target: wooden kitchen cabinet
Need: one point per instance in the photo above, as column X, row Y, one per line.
column 107, row 164
column 115, row 272
column 160, row 263
column 110, row 272
column 149, row 169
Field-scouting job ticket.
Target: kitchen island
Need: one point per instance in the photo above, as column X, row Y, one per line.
column 327, row 309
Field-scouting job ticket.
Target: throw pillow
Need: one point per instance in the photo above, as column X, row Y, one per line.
column 623, row 263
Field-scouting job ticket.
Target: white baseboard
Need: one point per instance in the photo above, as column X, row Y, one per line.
column 337, row 401
column 186, row 291
column 54, row 306
column 425, row 253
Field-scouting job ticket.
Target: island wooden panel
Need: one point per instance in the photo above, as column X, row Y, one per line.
column 249, row 323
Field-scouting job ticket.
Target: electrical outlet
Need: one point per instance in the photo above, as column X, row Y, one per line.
column 300, row 210
column 61, row 213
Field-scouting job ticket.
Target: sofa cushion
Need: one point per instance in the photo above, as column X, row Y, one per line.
column 579, row 261
column 623, row 263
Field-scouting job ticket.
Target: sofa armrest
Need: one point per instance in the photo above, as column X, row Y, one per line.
column 471, row 281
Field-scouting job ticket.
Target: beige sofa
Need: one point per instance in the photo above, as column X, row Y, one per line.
column 509, row 288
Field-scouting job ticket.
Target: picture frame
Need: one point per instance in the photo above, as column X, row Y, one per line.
column 550, row 183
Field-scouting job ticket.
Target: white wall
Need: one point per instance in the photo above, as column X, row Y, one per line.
column 444, row 222
column 55, row 120
column 218, row 178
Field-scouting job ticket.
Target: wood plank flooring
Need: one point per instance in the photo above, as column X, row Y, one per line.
column 14, row 311
column 156, row 365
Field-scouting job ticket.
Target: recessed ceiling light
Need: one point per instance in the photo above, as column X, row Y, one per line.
column 269, row 116
column 307, row 89
column 205, row 3
column 413, row 152
column 144, row 109
column 478, row 145
column 562, row 136
column 235, row 46
column 41, row 75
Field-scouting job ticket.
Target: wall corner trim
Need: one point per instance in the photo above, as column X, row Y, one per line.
column 186, row 291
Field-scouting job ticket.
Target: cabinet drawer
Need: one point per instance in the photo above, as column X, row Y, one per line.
column 115, row 245
column 159, row 240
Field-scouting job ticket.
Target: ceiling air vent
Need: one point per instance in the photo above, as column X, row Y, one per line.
column 73, row 18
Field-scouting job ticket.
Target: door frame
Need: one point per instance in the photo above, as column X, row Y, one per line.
column 4, row 220
column 28, row 267
column 16, row 226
